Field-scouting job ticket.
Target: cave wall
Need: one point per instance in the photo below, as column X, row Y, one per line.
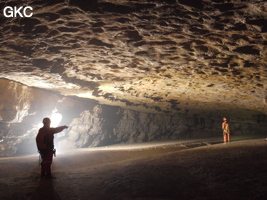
column 21, row 110
column 105, row 125
column 90, row 124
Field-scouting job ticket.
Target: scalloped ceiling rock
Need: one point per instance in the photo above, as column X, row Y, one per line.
column 146, row 55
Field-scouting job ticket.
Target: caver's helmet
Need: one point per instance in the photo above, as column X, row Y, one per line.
column 46, row 120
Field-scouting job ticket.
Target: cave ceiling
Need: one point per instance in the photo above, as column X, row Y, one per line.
column 154, row 56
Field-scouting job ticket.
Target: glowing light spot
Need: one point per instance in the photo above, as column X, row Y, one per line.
column 55, row 119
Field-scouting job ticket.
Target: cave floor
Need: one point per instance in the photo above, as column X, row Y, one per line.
column 170, row 171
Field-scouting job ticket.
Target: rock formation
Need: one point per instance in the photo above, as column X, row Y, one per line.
column 132, row 71
column 89, row 5
column 91, row 124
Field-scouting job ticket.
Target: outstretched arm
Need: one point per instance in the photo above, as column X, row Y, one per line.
column 59, row 129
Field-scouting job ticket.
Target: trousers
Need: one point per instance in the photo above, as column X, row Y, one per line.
column 226, row 137
column 47, row 159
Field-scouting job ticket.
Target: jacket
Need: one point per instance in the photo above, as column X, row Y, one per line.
column 45, row 137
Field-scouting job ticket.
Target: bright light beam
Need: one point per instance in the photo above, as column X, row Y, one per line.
column 55, row 119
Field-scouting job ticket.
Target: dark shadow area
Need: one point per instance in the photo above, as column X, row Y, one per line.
column 45, row 191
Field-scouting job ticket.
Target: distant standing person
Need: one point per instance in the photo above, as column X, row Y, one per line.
column 45, row 146
column 226, row 130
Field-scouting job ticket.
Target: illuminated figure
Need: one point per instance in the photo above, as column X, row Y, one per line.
column 45, row 146
column 226, row 130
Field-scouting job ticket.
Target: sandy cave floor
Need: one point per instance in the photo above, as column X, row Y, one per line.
column 193, row 170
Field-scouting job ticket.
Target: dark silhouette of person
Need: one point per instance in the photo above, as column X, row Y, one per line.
column 45, row 146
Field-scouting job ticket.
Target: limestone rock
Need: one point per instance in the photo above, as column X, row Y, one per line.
column 132, row 71
column 87, row 5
